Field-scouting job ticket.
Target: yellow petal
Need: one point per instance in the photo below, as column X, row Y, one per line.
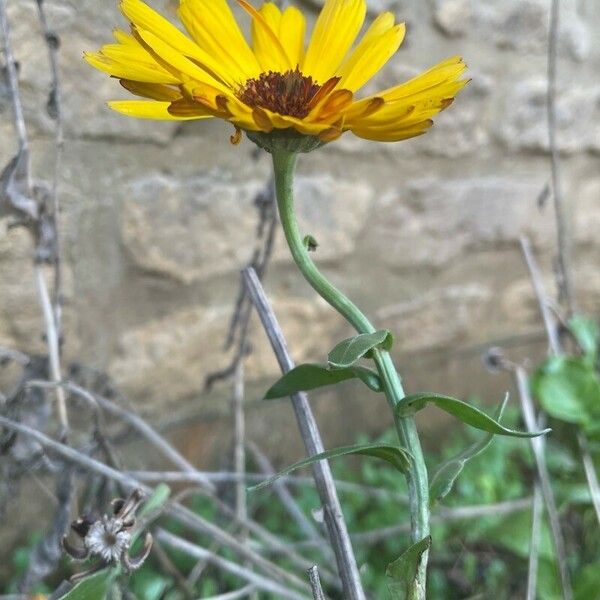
column 265, row 29
column 174, row 60
column 333, row 35
column 128, row 66
column 213, row 27
column 291, row 34
column 370, row 56
column 141, row 15
column 392, row 134
column 428, row 91
column 148, row 109
column 154, row 91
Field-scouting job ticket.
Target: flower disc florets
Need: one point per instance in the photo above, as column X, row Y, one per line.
column 289, row 93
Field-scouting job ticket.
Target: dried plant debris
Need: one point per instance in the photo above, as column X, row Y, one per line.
column 108, row 539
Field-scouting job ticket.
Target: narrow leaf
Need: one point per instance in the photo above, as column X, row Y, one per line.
column 403, row 571
column 396, row 456
column 157, row 501
column 94, row 587
column 309, row 377
column 348, row 352
column 586, row 332
column 444, row 478
column 464, row 412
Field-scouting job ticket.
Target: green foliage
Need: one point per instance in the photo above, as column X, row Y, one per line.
column 94, row 587
column 468, row 414
column 394, row 455
column 446, row 474
column 568, row 388
column 403, row 570
column 351, row 350
column 309, row 377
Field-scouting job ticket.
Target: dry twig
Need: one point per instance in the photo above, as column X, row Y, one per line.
column 334, row 519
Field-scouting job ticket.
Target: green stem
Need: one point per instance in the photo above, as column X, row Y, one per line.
column 284, row 164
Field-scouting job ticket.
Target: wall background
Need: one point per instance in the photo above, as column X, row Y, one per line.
column 159, row 218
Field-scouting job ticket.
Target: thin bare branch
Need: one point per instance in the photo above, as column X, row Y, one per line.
column 243, row 593
column 447, row 515
column 239, row 446
column 550, row 323
column 334, row 519
column 54, row 109
column 287, row 500
column 537, row 445
column 200, row 553
column 315, row 583
column 13, row 81
column 189, row 518
column 534, row 543
column 53, row 342
column 563, row 259
column 252, row 478
column 590, row 472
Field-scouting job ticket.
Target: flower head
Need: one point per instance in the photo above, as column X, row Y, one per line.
column 277, row 85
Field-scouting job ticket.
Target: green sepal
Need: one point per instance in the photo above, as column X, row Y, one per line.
column 351, row 350
column 311, row 376
column 396, row 456
column 403, row 571
column 464, row 412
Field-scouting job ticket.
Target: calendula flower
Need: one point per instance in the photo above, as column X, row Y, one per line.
column 277, row 83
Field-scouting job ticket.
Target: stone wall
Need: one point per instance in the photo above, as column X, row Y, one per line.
column 158, row 218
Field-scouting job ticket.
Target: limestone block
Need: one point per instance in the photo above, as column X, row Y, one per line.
column 197, row 228
column 430, row 223
column 524, row 125
column 520, row 25
column 168, row 359
column 420, row 319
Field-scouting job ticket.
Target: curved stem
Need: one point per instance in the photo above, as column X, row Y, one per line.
column 284, row 164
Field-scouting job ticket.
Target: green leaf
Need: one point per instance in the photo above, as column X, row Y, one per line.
column 444, row 478
column 568, row 388
column 403, row 571
column 348, row 352
column 586, row 332
column 461, row 410
column 396, row 456
column 587, row 582
column 309, row 377
column 94, row 587
column 157, row 501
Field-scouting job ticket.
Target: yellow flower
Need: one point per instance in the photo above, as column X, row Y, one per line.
column 277, row 82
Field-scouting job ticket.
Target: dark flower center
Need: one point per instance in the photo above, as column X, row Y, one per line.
column 288, row 93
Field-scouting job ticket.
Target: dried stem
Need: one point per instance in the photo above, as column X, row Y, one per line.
column 563, row 259
column 537, row 445
column 334, row 519
column 54, row 107
column 315, row 583
column 534, row 543
column 267, row 585
column 550, row 322
column 590, row 472
column 287, row 500
column 53, row 342
column 189, row 518
column 239, row 447
column 13, row 81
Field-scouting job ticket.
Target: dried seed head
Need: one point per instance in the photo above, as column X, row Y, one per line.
column 108, row 540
